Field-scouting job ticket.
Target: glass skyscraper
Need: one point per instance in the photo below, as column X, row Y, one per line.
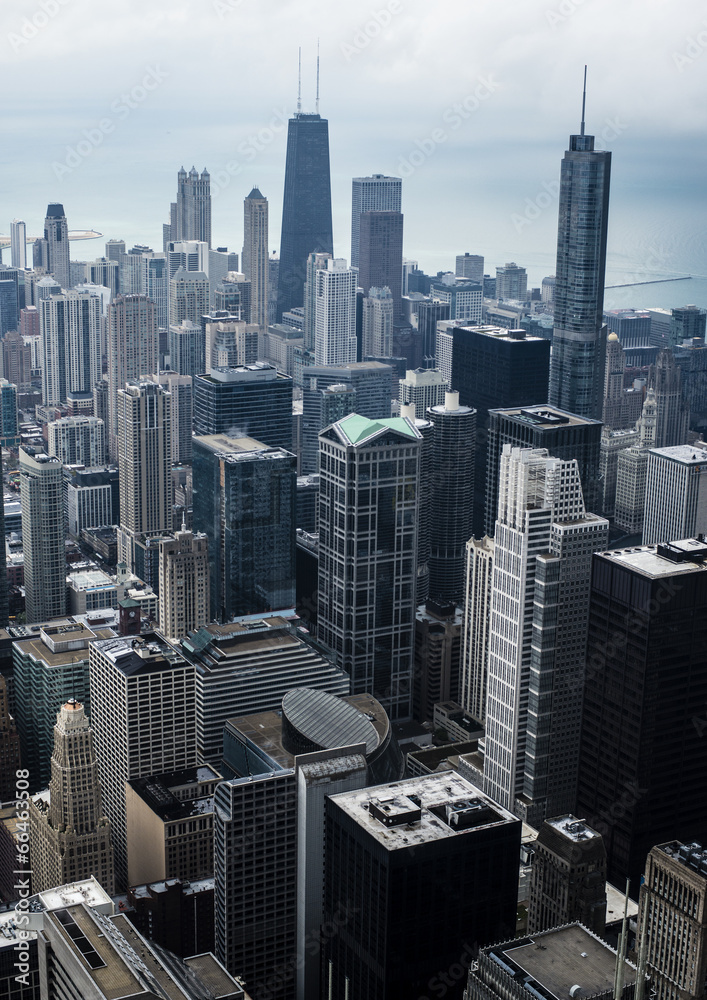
column 306, row 207
column 579, row 340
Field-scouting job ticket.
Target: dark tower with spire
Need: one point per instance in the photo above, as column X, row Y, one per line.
column 579, row 339
column 306, row 206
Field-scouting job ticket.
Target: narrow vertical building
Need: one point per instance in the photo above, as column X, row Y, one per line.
column 376, row 193
column 475, row 632
column 133, row 351
column 184, row 584
column 56, row 245
column 193, row 206
column 676, row 493
column 255, row 255
column 335, row 323
column 70, row 326
column 41, row 494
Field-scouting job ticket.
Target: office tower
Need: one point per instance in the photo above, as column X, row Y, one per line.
column 251, row 401
column 11, row 298
column 368, row 553
column 91, row 497
column 613, row 443
column 672, row 923
column 613, row 409
column 9, row 747
column 189, row 296
column 255, row 255
column 9, row 415
column 564, row 435
column 320, row 408
column 229, row 342
column 71, row 343
column 191, row 255
column 547, row 290
column 17, row 359
column 544, row 541
column 180, row 389
column 568, row 878
column 18, row 244
column 632, row 328
column 77, row 441
column 191, row 214
column 688, row 322
column 422, row 388
column 632, row 472
column 104, row 272
column 469, row 265
column 378, row 317
column 476, row 629
column 244, row 501
column 428, row 315
column 273, row 275
column 133, row 350
column 70, row 838
column 371, row 380
column 377, row 193
column 543, row 963
column 220, row 263
column 380, row 255
column 131, row 272
column 232, row 295
column 184, row 584
column 493, row 367
column 441, row 861
column 335, row 321
column 126, row 675
column 155, row 285
column 145, row 462
column 56, row 235
column 676, row 493
column 42, row 535
column 464, row 298
column 315, row 262
column 186, row 348
column 644, row 676
column 452, row 457
column 579, row 337
column 438, row 629
column 511, row 282
column 692, row 359
column 29, row 322
column 306, row 206
column 672, row 416
column 115, row 249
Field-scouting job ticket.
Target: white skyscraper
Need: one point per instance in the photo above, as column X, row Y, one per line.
column 18, row 244
column 133, row 351
column 422, row 388
column 539, row 612
column 255, row 255
column 77, row 441
column 676, row 493
column 477, row 617
column 70, row 326
column 335, row 324
column 377, row 335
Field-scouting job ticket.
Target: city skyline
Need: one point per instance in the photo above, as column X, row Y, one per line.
column 508, row 207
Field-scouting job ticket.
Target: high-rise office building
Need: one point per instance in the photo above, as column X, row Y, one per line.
column 464, row 298
column 191, row 255
column 244, row 501
column 104, row 272
column 315, row 262
column 71, row 342
column 672, row 416
column 228, row 342
column 181, row 391
column 252, row 401
column 377, row 325
column 10, row 298
column 451, row 458
column 688, row 322
column 56, row 245
column 185, row 603
column 145, row 462
column 610, row 448
column 115, row 249
column 143, row 716
column 428, row 315
column 306, row 206
column 70, row 837
column 579, row 338
column 9, row 415
column 441, row 861
column 644, row 675
column 544, row 541
column 676, row 493
column 672, row 920
column 321, row 407
column 186, row 348
column 232, row 296
column 189, row 296
column 255, row 255
column 133, row 351
column 377, row 193
column 9, row 746
column 564, row 435
column 632, row 328
column 77, row 441
column 422, row 388
column 191, row 213
column 368, row 537
column 17, row 359
column 511, row 282
column 155, row 285
column 221, row 261
column 477, row 620
column 568, row 877
column 335, row 321
column 42, row 499
column 371, row 380
column 380, row 255
column 18, row 244
column 632, row 471
column 469, row 265
column 621, row 407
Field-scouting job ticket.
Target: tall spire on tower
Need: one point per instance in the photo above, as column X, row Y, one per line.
column 316, row 106
column 299, row 81
column 584, row 99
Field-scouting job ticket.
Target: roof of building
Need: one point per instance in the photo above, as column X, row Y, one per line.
column 656, row 561
column 140, row 654
column 545, row 416
column 356, row 429
column 687, row 454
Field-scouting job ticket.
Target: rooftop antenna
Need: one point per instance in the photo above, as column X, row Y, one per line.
column 584, row 99
column 299, row 83
column 316, row 106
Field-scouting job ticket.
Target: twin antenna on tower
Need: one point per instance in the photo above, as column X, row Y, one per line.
column 299, row 83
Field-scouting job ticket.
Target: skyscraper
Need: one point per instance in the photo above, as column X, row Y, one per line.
column 377, row 326
column 70, row 837
column 315, row 262
column 253, row 400
column 18, row 244
column 71, row 341
column 255, row 255
column 380, row 255
column 377, row 193
column 632, row 471
column 477, row 619
column 181, row 391
column 185, row 603
column 306, row 207
column 228, row 342
column 672, row 416
column 56, row 236
column 422, row 388
column 42, row 499
column 192, row 210
column 368, row 535
column 579, row 338
column 469, row 265
column 9, row 746
column 189, row 296
column 676, row 493
column 186, row 348
column 133, row 351
column 77, row 441
column 511, row 282
column 335, row 322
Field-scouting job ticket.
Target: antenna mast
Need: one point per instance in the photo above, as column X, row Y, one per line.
column 299, row 83
column 584, row 99
column 316, row 106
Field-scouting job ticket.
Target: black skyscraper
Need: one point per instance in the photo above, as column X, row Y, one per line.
column 380, row 255
column 306, row 206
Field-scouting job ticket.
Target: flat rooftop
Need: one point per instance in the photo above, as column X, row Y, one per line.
column 140, row 654
column 223, row 444
column 574, row 829
column 545, row 417
column 648, row 561
column 686, row 454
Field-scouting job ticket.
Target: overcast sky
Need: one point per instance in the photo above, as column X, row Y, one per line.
column 472, row 102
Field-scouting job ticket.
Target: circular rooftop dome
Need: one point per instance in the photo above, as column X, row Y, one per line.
column 324, row 721
column 613, row 336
